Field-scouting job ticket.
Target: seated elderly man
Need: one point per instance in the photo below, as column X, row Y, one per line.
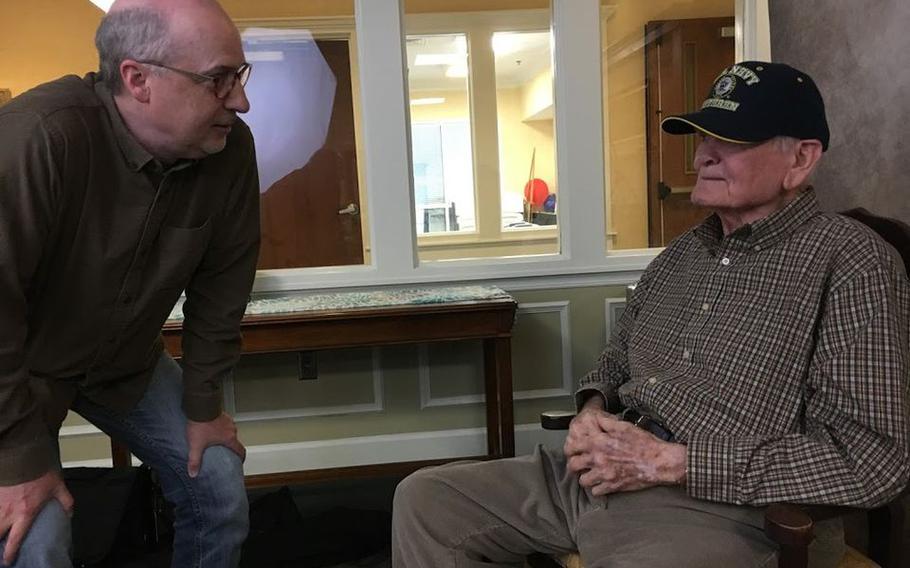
column 766, row 349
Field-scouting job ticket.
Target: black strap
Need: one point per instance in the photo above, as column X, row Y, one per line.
column 647, row 423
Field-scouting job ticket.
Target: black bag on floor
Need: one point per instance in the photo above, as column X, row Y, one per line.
column 119, row 514
column 280, row 537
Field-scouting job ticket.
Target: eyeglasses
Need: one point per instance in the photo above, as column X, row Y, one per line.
column 223, row 83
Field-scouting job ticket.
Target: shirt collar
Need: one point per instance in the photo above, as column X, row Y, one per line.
column 765, row 232
column 133, row 152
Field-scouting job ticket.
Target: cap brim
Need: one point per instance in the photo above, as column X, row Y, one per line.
column 706, row 123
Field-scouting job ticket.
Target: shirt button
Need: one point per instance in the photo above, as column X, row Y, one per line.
column 756, row 248
column 686, row 354
column 725, row 261
column 652, row 380
column 705, row 307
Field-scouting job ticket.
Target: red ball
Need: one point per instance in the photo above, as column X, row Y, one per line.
column 536, row 191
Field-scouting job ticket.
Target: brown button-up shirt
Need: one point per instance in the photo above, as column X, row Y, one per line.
column 97, row 242
column 778, row 354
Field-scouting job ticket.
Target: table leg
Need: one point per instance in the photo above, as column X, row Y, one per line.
column 120, row 454
column 497, row 355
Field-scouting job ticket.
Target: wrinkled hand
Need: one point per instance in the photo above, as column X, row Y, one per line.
column 20, row 504
column 218, row 432
column 610, row 455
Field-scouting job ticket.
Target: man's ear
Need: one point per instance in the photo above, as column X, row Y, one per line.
column 135, row 80
column 806, row 155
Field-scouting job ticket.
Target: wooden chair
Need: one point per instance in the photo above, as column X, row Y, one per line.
column 790, row 525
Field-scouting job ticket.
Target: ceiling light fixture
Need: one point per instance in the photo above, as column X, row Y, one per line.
column 439, row 59
column 506, row 43
column 457, row 71
column 428, row 101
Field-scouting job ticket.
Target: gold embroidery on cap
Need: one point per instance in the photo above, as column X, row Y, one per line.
column 744, row 73
column 721, row 103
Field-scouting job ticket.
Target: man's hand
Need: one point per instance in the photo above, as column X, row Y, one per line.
column 610, row 455
column 218, row 432
column 20, row 504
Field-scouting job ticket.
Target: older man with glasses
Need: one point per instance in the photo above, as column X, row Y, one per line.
column 118, row 191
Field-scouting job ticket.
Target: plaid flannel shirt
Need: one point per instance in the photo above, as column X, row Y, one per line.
column 777, row 354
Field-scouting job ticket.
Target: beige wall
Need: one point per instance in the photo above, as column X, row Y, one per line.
column 624, row 87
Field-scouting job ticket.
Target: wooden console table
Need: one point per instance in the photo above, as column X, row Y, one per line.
column 361, row 319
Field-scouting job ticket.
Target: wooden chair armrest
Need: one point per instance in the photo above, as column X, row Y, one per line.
column 788, row 525
column 556, row 419
column 791, row 528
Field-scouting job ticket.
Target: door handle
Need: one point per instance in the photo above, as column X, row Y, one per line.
column 664, row 191
column 349, row 209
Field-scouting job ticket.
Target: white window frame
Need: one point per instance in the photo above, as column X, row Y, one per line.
column 580, row 164
column 483, row 120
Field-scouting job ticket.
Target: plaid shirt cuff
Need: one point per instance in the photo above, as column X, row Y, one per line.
column 712, row 469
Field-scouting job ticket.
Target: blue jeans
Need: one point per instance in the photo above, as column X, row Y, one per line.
column 212, row 516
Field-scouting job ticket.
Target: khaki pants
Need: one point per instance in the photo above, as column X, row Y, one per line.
column 472, row 514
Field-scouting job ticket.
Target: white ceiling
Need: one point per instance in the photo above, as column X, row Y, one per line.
column 520, row 56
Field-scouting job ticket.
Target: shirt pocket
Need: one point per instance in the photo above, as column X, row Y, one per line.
column 179, row 253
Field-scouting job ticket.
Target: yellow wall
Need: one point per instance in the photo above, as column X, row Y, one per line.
column 41, row 40
column 625, row 108
column 517, row 138
column 44, row 39
column 415, row 6
column 537, row 95
column 455, row 106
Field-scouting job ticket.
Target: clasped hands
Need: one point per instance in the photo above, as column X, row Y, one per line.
column 609, row 455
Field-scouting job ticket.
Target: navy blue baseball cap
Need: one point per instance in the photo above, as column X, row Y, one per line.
column 754, row 101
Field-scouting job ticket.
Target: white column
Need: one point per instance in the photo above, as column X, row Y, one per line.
column 579, row 130
column 386, row 135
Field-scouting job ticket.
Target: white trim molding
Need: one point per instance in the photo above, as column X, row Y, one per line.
column 565, row 334
column 611, row 315
column 753, row 31
column 371, row 450
column 565, row 389
column 424, row 369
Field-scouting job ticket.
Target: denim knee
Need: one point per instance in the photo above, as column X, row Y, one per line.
column 220, row 491
column 48, row 542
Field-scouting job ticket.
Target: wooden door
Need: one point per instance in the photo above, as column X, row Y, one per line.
column 680, row 67
column 311, row 217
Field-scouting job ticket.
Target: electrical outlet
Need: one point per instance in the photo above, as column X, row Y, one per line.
column 307, row 365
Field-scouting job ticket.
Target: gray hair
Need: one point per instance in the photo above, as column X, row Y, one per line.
column 785, row 144
column 133, row 33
